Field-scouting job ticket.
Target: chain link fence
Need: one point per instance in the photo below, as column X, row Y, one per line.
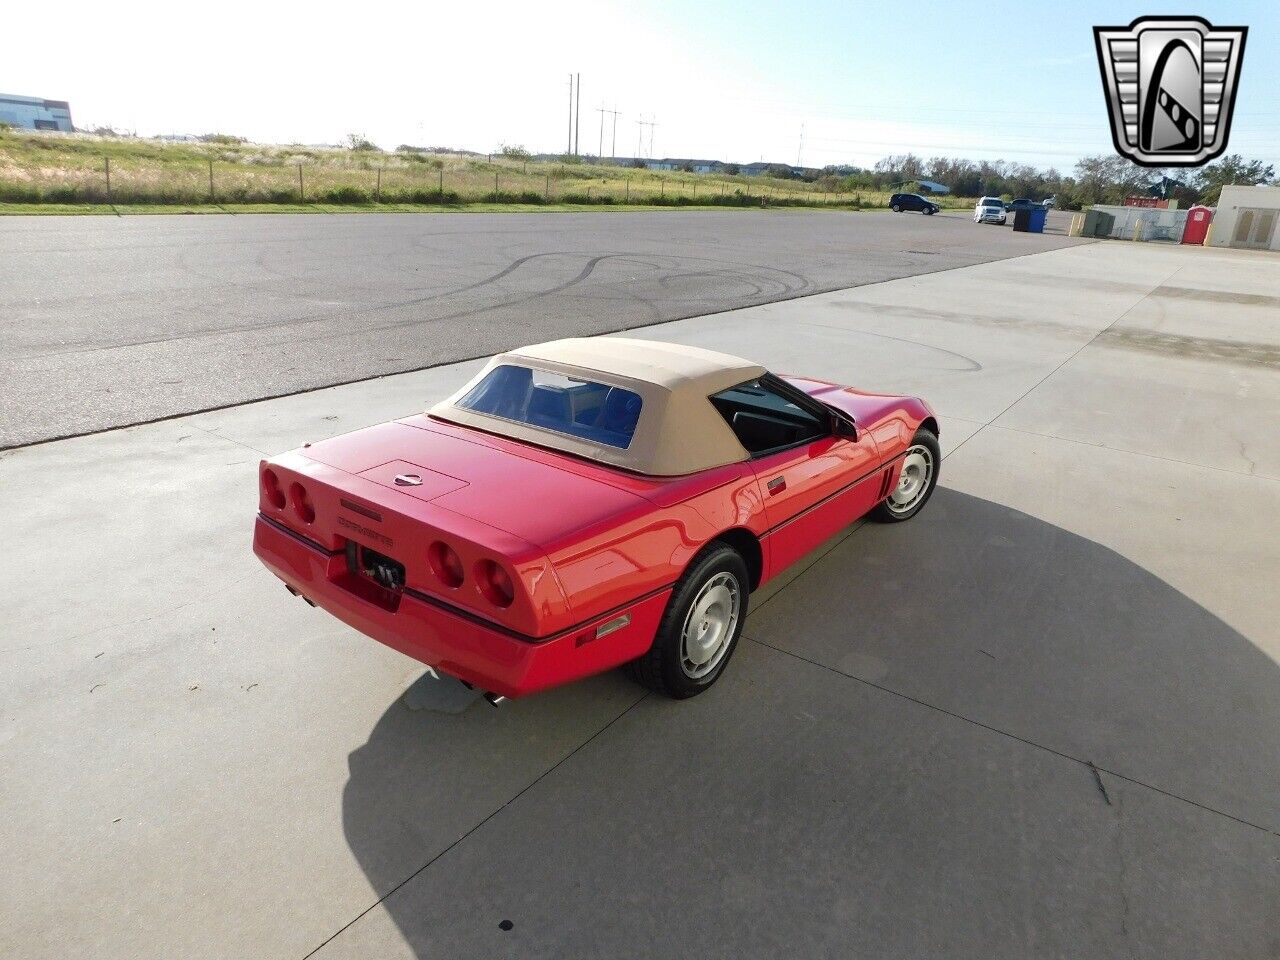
column 390, row 179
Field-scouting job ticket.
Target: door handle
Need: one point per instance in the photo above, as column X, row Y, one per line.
column 777, row 485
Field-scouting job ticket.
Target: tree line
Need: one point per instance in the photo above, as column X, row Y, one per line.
column 1096, row 179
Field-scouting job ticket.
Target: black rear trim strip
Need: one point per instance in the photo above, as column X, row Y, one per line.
column 301, row 538
column 483, row 621
column 469, row 615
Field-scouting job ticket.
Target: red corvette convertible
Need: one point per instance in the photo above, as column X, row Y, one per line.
column 584, row 504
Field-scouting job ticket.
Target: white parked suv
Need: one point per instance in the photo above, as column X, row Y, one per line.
column 989, row 210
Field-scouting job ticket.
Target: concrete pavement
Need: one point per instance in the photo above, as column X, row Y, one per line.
column 1041, row 720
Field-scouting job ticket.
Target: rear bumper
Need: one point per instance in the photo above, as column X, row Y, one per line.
column 450, row 639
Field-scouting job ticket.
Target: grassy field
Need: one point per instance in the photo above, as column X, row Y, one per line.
column 81, row 173
column 144, row 209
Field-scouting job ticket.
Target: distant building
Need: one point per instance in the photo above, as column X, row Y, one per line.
column 675, row 163
column 932, row 186
column 32, row 113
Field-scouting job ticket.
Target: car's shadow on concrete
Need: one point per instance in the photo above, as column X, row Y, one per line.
column 1020, row 625
column 985, row 612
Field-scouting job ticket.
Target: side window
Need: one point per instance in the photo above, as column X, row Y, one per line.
column 764, row 420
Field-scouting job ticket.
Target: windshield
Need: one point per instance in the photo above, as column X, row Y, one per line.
column 551, row 401
column 990, row 202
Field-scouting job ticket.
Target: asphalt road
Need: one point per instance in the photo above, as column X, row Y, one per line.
column 107, row 322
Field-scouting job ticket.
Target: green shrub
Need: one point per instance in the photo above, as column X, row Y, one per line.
column 15, row 193
column 586, row 199
column 345, row 194
column 63, row 195
column 430, row 196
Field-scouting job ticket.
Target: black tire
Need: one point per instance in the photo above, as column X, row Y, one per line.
column 895, row 208
column 924, row 444
column 661, row 668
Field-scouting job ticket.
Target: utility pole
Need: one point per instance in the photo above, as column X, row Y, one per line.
column 800, row 149
column 577, row 127
column 600, row 149
column 613, row 150
column 640, row 137
column 569, row 148
column 652, row 124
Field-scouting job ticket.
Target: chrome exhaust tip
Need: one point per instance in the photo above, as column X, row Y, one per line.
column 296, row 593
column 495, row 699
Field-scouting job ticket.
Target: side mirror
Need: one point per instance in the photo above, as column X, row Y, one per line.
column 843, row 426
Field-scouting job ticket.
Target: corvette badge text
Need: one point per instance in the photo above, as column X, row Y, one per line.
column 1170, row 84
column 366, row 532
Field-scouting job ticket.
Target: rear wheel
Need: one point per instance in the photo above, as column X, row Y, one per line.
column 895, row 208
column 700, row 628
column 916, row 480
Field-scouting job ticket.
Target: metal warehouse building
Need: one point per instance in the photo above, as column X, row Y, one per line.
column 1246, row 217
column 32, row 113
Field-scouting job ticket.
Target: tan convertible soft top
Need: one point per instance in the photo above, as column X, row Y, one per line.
column 678, row 432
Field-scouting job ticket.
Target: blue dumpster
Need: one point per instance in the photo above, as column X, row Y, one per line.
column 1035, row 223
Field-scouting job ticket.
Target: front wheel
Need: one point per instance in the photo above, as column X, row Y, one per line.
column 916, row 480
column 700, row 628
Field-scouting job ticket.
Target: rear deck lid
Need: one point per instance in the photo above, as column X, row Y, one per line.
column 414, row 479
column 539, row 502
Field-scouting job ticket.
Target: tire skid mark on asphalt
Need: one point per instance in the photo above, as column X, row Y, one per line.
column 343, row 313
column 347, row 313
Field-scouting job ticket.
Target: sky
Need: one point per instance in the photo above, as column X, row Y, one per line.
column 821, row 83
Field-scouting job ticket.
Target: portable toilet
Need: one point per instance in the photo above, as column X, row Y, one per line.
column 1197, row 228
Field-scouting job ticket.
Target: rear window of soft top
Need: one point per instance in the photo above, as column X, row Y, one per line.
column 596, row 412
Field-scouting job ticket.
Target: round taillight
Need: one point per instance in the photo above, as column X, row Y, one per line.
column 445, row 564
column 301, row 503
column 271, row 489
column 495, row 583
